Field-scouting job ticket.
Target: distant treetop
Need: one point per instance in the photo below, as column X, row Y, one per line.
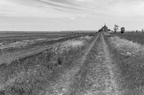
column 104, row 29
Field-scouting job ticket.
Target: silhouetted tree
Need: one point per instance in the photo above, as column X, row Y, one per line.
column 122, row 29
column 104, row 29
column 116, row 27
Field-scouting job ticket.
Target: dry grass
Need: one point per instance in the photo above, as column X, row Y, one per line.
column 126, row 46
column 70, row 44
column 74, row 44
column 129, row 59
column 24, row 43
column 33, row 74
column 85, row 38
column 19, row 49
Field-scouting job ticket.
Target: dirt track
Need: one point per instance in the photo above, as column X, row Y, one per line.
column 96, row 75
column 93, row 75
column 99, row 70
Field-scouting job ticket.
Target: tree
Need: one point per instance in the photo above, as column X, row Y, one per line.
column 122, row 29
column 116, row 27
column 104, row 29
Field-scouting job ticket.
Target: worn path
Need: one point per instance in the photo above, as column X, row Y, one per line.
column 94, row 75
column 62, row 87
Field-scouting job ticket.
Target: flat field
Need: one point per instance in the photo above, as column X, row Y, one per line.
column 71, row 64
column 128, row 54
column 135, row 37
column 16, row 45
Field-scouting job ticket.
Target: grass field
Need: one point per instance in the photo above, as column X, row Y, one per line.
column 73, row 64
column 17, row 45
column 135, row 37
column 31, row 70
column 128, row 54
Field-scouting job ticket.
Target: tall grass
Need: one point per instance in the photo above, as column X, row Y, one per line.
column 33, row 74
column 128, row 57
column 126, row 46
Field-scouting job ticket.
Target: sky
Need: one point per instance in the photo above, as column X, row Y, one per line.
column 59, row 15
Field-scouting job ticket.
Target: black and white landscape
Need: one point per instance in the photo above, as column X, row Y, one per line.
column 71, row 47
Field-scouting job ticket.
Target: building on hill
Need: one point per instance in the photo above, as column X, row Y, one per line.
column 104, row 29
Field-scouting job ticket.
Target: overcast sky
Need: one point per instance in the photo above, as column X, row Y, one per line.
column 59, row 15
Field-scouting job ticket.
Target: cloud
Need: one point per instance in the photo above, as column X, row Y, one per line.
column 39, row 8
column 66, row 8
column 84, row 0
column 13, row 9
column 46, row 8
column 66, row 2
column 70, row 14
column 131, row 8
column 61, row 4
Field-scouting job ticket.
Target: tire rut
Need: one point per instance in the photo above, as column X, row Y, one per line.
column 62, row 87
column 96, row 75
column 113, row 84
